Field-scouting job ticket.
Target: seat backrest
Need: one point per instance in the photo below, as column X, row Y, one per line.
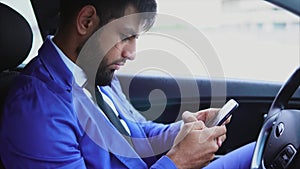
column 15, row 44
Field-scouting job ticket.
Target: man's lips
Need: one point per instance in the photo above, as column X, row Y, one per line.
column 117, row 66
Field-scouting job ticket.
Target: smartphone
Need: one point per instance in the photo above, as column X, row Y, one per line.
column 223, row 114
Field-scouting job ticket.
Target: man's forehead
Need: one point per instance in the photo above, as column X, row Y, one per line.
column 130, row 24
column 130, row 9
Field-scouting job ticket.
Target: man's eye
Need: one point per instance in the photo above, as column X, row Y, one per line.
column 126, row 38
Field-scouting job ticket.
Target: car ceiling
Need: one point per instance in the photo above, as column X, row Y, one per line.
column 47, row 12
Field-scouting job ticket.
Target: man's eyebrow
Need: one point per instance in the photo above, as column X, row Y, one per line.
column 130, row 31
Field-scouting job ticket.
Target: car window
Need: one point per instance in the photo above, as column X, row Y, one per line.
column 252, row 39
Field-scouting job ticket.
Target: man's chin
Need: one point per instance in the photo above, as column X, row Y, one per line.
column 104, row 83
column 105, row 80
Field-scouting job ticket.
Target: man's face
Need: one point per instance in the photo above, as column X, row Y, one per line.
column 125, row 48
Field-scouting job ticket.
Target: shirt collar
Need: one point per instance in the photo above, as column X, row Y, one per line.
column 78, row 74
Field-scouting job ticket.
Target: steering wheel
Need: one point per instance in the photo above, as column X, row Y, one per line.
column 278, row 142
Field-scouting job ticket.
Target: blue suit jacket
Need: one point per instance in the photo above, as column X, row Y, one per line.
column 40, row 128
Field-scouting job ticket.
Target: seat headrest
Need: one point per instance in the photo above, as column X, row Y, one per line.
column 15, row 38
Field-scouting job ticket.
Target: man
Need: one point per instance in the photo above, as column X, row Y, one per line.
column 49, row 121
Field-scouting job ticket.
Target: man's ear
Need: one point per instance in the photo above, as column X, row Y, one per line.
column 87, row 20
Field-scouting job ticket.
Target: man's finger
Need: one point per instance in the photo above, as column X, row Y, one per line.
column 218, row 131
column 188, row 117
column 188, row 127
column 198, row 125
column 220, row 140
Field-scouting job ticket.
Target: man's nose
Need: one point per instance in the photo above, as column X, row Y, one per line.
column 129, row 49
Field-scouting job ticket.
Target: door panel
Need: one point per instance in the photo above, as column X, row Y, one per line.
column 164, row 99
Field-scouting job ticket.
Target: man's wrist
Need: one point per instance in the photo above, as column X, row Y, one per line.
column 173, row 156
column 164, row 162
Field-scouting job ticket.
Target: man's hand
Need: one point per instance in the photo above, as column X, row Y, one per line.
column 203, row 115
column 195, row 144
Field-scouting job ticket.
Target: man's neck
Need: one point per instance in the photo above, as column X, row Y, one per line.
column 67, row 45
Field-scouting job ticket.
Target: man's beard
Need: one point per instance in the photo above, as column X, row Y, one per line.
column 104, row 75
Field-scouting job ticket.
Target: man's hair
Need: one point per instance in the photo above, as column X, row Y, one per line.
column 107, row 9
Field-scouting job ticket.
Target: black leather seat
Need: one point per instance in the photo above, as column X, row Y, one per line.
column 15, row 44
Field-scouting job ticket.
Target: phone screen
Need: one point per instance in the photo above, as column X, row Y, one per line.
column 223, row 114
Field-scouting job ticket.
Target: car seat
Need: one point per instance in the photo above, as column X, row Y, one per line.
column 15, row 44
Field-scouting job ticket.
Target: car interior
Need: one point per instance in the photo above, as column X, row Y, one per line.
column 268, row 112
